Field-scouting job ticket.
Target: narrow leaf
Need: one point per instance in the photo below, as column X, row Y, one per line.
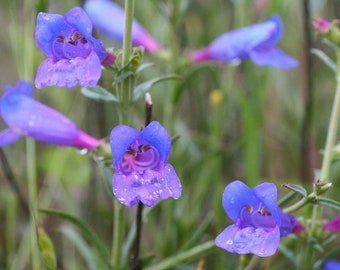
column 81, row 245
column 296, row 188
column 122, row 77
column 93, row 238
column 144, row 87
column 324, row 58
column 47, row 249
column 144, row 66
column 98, row 93
column 328, row 202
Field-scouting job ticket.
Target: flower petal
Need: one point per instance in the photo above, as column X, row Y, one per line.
column 235, row 197
column 49, row 27
column 272, row 56
column 22, row 87
column 257, row 241
column 238, row 43
column 28, row 117
column 8, row 136
column 267, row 194
column 331, row 265
column 147, row 187
column 288, row 223
column 156, row 135
column 77, row 18
column 120, row 139
column 85, row 71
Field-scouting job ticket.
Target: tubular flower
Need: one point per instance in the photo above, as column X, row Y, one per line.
column 27, row 117
column 259, row 222
column 73, row 55
column 109, row 18
column 140, row 159
column 331, row 265
column 333, row 225
column 257, row 42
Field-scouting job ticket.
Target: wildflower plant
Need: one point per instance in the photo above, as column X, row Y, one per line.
column 179, row 157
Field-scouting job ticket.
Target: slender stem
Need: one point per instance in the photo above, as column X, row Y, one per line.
column 125, row 92
column 332, row 129
column 33, row 200
column 136, row 263
column 183, row 256
column 13, row 182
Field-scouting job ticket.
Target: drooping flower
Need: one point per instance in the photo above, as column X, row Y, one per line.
column 329, row 30
column 333, row 225
column 257, row 42
column 259, row 222
column 109, row 18
column 27, row 117
column 73, row 55
column 331, row 265
column 140, row 159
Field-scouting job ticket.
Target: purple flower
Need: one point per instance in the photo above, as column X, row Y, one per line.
column 257, row 42
column 140, row 159
column 333, row 225
column 27, row 117
column 109, row 18
column 74, row 56
column 259, row 222
column 331, row 265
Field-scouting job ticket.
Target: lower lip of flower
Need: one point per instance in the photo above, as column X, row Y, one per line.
column 140, row 157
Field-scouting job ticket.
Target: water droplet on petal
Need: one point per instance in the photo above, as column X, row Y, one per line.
column 229, row 242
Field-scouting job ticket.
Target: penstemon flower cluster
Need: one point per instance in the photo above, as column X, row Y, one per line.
column 135, row 156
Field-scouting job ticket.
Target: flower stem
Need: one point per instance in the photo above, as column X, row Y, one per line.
column 183, row 256
column 33, row 200
column 126, row 95
column 333, row 127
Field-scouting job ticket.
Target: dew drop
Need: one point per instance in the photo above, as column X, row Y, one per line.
column 229, row 242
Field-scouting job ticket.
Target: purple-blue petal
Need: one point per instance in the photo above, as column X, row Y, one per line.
column 68, row 73
column 101, row 13
column 146, row 187
column 28, row 117
column 22, row 87
column 8, row 136
column 77, row 18
column 258, row 241
column 331, row 265
column 237, row 44
column 236, row 196
column 272, row 56
column 120, row 139
column 48, row 28
column 156, row 135
column 288, row 222
column 267, row 194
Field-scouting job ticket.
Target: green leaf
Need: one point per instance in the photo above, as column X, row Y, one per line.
column 144, row 66
column 328, row 202
column 93, row 238
column 47, row 249
column 81, row 245
column 98, row 93
column 296, row 188
column 122, row 77
column 324, row 58
column 141, row 89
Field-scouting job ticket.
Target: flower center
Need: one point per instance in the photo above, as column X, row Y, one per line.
column 258, row 218
column 70, row 47
column 140, row 157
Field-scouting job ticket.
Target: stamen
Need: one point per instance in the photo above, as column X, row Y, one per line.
column 61, row 39
column 75, row 38
column 249, row 208
column 264, row 211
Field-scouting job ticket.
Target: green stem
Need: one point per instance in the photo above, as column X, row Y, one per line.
column 332, row 129
column 33, row 200
column 125, row 91
column 183, row 256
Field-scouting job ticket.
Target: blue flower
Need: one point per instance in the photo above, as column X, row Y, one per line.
column 109, row 18
column 257, row 42
column 259, row 222
column 331, row 265
column 74, row 56
column 140, row 159
column 27, row 117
